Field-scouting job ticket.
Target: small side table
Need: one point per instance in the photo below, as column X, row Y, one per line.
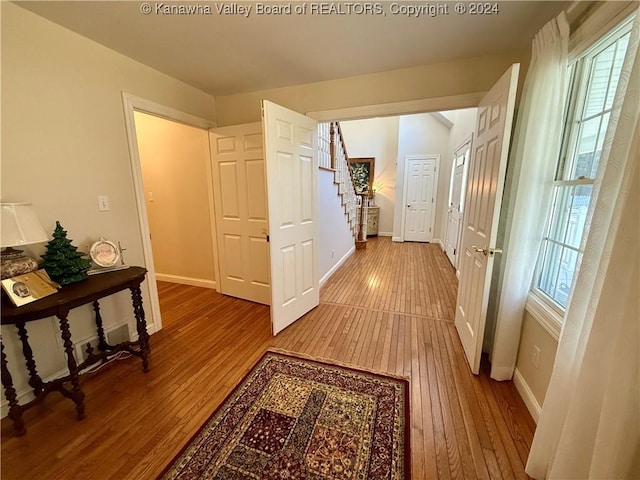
column 372, row 221
column 59, row 305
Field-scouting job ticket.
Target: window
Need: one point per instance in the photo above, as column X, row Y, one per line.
column 593, row 79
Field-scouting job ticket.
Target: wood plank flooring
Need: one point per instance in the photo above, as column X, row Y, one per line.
column 389, row 308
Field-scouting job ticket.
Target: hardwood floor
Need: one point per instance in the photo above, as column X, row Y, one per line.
column 388, row 308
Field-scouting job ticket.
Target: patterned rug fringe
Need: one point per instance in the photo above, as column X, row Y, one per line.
column 337, row 363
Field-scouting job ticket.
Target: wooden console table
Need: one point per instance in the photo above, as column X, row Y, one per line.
column 59, row 305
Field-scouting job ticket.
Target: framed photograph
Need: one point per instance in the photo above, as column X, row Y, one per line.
column 362, row 172
column 29, row 287
column 105, row 253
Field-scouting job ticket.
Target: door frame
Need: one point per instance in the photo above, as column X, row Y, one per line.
column 407, row 159
column 131, row 104
column 466, row 144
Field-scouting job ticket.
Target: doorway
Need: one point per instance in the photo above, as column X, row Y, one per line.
column 174, row 159
column 457, row 189
column 132, row 105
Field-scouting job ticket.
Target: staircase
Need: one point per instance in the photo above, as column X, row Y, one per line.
column 332, row 155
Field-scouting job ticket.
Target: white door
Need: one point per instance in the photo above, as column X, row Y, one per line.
column 482, row 210
column 454, row 214
column 456, row 201
column 240, row 199
column 291, row 148
column 420, row 174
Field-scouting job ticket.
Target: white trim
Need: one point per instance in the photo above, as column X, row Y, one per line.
column 385, row 234
column 407, row 158
column 338, row 264
column 397, row 239
column 527, row 395
column 546, row 316
column 439, row 242
column 195, row 282
column 131, row 104
column 453, row 102
column 212, row 214
column 140, row 104
column 606, row 17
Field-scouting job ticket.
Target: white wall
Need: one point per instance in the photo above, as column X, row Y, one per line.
column 377, row 138
column 335, row 240
column 63, row 144
column 422, row 134
column 532, row 381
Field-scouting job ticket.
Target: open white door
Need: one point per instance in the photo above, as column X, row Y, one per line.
column 456, row 202
column 240, row 199
column 482, row 211
column 291, row 152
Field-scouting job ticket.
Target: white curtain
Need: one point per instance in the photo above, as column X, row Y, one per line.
column 536, row 146
column 590, row 422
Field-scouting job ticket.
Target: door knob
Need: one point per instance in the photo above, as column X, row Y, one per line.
column 486, row 251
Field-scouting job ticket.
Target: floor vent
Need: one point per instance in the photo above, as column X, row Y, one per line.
column 115, row 335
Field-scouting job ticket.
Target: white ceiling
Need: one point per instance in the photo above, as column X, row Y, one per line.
column 227, row 54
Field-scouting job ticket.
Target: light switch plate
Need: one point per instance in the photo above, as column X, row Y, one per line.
column 103, row 203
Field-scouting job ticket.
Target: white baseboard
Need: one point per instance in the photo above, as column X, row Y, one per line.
column 194, row 282
column 385, row 234
column 439, row 242
column 501, row 373
column 397, row 239
column 338, row 264
column 527, row 395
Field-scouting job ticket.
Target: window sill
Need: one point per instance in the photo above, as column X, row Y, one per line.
column 547, row 317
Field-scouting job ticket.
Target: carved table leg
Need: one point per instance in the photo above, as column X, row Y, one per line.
column 102, row 341
column 34, row 379
column 77, row 395
column 141, row 325
column 15, row 410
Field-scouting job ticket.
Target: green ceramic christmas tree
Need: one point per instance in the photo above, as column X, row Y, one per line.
column 62, row 261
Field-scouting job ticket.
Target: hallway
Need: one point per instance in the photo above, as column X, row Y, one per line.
column 389, row 308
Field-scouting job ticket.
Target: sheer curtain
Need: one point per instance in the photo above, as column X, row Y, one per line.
column 590, row 421
column 536, row 147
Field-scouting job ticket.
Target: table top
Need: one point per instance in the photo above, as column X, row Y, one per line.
column 71, row 296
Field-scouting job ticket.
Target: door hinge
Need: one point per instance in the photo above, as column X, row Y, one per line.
column 267, row 238
column 454, row 251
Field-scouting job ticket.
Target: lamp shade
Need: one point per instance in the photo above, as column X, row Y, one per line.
column 20, row 225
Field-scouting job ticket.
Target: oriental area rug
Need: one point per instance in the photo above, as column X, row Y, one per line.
column 294, row 418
